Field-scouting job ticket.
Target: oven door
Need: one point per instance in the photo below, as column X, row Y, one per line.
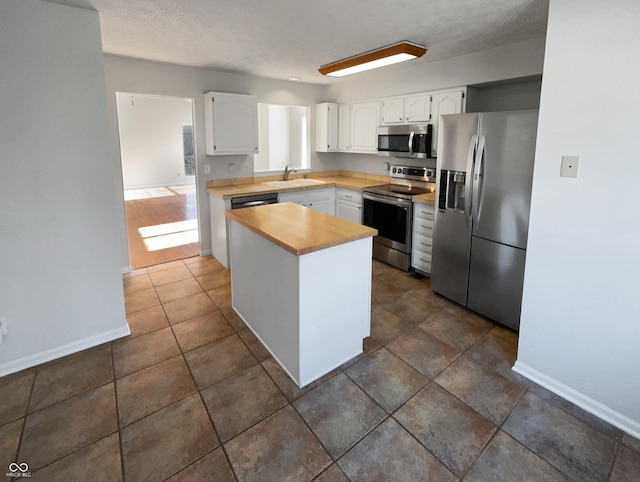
column 392, row 217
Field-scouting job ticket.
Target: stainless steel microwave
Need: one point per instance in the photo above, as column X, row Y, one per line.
column 405, row 141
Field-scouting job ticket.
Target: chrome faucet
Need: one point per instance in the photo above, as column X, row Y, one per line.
column 287, row 171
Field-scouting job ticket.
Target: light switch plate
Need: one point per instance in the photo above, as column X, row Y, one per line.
column 207, row 169
column 569, row 166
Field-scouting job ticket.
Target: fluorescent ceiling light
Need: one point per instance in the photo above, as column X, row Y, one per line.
column 391, row 54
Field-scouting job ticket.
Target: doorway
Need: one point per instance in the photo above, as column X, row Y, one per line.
column 158, row 175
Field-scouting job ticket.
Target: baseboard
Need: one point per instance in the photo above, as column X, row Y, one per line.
column 126, row 269
column 64, row 350
column 205, row 252
column 628, row 425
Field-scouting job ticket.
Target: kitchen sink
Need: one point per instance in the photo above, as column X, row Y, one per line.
column 294, row 183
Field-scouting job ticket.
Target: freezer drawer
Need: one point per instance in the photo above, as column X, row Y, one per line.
column 496, row 276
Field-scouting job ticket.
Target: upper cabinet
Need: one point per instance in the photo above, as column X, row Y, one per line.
column 326, row 127
column 356, row 125
column 344, row 127
column 231, row 124
column 364, row 127
column 451, row 102
column 405, row 110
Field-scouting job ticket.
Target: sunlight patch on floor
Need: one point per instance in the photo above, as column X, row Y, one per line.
column 169, row 235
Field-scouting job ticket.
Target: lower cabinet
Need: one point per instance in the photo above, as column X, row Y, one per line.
column 423, row 215
column 349, row 205
column 322, row 199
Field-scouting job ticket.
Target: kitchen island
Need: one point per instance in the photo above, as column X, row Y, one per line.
column 301, row 281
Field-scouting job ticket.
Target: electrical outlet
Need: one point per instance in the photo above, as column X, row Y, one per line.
column 245, row 166
column 569, row 167
column 233, row 168
column 207, row 169
column 4, row 328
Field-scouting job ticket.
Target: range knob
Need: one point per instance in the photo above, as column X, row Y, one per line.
column 399, row 171
column 394, row 170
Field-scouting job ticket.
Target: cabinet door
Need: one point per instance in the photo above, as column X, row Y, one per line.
column 322, row 206
column 417, row 108
column 231, row 124
column 444, row 103
column 349, row 211
column 323, row 199
column 326, row 127
column 364, row 127
column 344, row 127
column 392, row 111
column 298, row 197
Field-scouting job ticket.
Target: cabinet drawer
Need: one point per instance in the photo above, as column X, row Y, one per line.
column 423, row 226
column 424, row 211
column 422, row 242
column 349, row 195
column 421, row 261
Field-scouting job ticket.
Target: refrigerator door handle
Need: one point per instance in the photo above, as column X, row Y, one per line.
column 477, row 175
column 470, row 166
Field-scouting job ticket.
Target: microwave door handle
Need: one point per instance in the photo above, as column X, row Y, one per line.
column 411, row 134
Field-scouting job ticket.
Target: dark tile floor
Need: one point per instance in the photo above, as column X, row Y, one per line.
column 193, row 395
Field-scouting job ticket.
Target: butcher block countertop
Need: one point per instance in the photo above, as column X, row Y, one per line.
column 429, row 198
column 297, row 229
column 229, row 192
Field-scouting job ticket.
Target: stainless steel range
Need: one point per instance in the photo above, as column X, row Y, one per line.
column 389, row 209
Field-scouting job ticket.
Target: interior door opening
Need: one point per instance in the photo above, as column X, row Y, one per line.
column 158, row 174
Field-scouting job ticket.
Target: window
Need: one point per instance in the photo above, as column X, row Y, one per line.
column 283, row 132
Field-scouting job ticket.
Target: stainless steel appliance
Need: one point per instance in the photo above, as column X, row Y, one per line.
column 255, row 200
column 389, row 209
column 484, row 176
column 405, row 141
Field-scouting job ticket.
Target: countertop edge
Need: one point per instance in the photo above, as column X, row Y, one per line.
column 366, row 233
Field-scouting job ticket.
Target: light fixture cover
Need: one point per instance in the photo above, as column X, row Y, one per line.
column 376, row 58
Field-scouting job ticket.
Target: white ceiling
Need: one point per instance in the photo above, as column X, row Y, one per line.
column 284, row 38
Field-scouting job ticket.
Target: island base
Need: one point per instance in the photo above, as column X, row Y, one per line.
column 310, row 311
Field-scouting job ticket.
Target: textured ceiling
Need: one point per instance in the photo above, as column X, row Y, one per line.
column 284, row 38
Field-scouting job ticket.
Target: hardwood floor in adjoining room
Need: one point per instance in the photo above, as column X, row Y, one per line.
column 162, row 224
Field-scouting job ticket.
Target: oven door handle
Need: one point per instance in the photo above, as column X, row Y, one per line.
column 403, row 203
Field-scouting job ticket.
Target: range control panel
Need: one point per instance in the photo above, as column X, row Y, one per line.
column 414, row 173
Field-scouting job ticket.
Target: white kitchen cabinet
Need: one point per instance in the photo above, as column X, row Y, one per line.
column 349, row 205
column 322, row 199
column 423, row 215
column 451, row 102
column 326, row 127
column 219, row 227
column 417, row 108
column 364, row 127
column 231, row 124
column 406, row 110
column 298, row 197
column 344, row 127
column 392, row 111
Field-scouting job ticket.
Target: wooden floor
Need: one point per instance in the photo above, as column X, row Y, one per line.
column 161, row 224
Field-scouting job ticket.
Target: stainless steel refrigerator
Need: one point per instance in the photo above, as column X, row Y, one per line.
column 484, row 176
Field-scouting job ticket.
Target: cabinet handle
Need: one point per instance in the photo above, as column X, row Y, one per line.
column 423, row 260
column 348, row 195
column 424, row 244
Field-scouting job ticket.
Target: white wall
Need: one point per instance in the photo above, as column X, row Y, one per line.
column 523, row 59
column 580, row 328
column 60, row 282
column 151, row 139
column 144, row 77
